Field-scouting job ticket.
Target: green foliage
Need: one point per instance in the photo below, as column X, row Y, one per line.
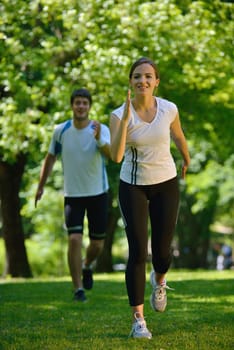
column 47, row 48
column 40, row 314
column 47, row 257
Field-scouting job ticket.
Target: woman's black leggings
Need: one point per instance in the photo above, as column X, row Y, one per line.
column 160, row 202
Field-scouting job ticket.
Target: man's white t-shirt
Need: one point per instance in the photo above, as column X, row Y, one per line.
column 83, row 164
column 147, row 158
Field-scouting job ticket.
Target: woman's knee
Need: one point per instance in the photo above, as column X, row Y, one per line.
column 138, row 257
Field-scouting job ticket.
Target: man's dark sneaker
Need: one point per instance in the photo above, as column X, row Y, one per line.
column 79, row 295
column 87, row 278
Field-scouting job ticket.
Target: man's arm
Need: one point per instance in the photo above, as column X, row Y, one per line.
column 105, row 150
column 104, row 147
column 45, row 172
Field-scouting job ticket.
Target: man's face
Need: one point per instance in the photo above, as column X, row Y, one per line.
column 80, row 108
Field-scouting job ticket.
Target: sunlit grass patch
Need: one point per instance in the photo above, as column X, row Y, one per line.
column 40, row 314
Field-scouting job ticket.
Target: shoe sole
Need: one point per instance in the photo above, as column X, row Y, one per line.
column 153, row 304
column 131, row 335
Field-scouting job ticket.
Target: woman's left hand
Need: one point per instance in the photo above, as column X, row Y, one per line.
column 184, row 170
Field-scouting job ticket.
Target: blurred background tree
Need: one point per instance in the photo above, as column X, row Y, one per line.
column 48, row 48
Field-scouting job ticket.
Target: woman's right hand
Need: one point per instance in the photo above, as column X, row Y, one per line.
column 126, row 113
column 118, row 130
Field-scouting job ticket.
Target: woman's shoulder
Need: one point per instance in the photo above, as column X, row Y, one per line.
column 166, row 104
column 118, row 112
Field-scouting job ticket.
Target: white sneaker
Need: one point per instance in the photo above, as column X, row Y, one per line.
column 158, row 298
column 139, row 329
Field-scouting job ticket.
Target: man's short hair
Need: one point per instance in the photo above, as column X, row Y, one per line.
column 81, row 93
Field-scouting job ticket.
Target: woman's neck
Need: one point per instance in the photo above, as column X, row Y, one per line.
column 144, row 103
column 145, row 108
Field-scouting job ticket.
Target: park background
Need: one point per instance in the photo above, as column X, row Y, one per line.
column 47, row 49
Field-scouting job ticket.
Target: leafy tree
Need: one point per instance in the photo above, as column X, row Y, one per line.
column 49, row 47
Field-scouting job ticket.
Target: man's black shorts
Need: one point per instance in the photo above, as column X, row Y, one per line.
column 96, row 209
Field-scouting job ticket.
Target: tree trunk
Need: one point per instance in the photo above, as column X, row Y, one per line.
column 194, row 233
column 16, row 256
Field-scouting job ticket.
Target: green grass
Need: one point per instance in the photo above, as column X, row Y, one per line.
column 40, row 314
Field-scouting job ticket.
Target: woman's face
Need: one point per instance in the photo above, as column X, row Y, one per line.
column 143, row 80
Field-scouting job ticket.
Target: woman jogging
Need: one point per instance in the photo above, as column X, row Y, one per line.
column 140, row 133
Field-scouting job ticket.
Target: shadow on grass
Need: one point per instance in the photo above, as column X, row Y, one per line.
column 198, row 306
column 47, row 307
column 44, row 312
